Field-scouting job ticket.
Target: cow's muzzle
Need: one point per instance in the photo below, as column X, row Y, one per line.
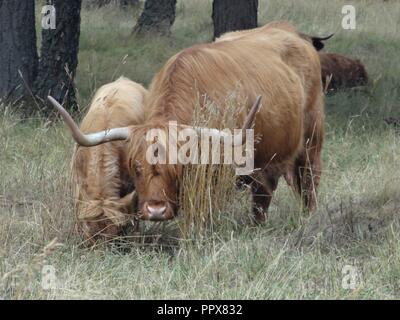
column 157, row 211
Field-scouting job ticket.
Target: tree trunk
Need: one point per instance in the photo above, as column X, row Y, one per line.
column 122, row 3
column 132, row 3
column 59, row 56
column 232, row 15
column 18, row 52
column 157, row 17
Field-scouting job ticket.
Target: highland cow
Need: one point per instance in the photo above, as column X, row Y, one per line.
column 103, row 188
column 274, row 62
column 339, row 71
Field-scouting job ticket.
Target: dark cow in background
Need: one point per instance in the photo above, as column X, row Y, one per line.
column 339, row 71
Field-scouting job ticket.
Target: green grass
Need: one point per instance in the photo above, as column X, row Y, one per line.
column 293, row 255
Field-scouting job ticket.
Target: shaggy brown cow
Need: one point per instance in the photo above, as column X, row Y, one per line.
column 275, row 63
column 103, row 189
column 339, row 71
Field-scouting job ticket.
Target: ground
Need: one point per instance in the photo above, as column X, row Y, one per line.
column 348, row 249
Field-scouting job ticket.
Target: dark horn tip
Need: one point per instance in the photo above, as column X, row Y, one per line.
column 328, row 37
column 258, row 100
column 324, row 38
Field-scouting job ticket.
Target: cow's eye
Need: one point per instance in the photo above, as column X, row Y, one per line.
column 138, row 168
column 156, row 172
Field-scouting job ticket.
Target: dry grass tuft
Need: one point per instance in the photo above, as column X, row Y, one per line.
column 209, row 191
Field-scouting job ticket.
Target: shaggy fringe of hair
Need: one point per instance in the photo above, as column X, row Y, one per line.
column 86, row 209
column 93, row 210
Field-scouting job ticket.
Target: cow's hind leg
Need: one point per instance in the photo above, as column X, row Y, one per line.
column 307, row 166
column 306, row 176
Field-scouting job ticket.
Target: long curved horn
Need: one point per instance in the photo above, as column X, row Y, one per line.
column 251, row 117
column 248, row 124
column 324, row 38
column 92, row 139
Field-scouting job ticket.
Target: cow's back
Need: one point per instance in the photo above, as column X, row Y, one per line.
column 276, row 64
column 116, row 104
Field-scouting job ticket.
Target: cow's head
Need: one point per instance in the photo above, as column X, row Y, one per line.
column 102, row 220
column 156, row 184
column 156, row 181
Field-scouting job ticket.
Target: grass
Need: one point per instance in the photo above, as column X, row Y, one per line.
column 292, row 256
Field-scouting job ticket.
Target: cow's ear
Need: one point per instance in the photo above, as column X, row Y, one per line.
column 317, row 43
column 126, row 202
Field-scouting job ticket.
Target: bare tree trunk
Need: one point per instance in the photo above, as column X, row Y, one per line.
column 59, row 56
column 122, row 3
column 232, row 15
column 18, row 52
column 157, row 17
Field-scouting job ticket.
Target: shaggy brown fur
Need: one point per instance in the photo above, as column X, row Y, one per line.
column 283, row 25
column 274, row 62
column 102, row 185
column 340, row 71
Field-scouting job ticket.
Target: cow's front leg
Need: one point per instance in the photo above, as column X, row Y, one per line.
column 262, row 187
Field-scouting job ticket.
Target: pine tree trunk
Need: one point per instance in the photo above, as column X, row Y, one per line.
column 59, row 56
column 18, row 52
column 157, row 17
column 122, row 3
column 233, row 15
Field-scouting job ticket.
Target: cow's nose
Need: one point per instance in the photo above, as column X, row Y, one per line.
column 156, row 213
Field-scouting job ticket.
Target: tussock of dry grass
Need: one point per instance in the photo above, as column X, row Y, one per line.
column 208, row 192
